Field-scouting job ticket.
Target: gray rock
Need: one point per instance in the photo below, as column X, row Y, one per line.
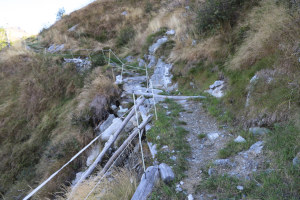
column 106, row 123
column 148, row 181
column 152, row 148
column 194, row 43
column 239, row 187
column 256, row 148
column 166, row 173
column 170, row 32
column 152, row 61
column 55, row 48
column 296, row 160
column 258, row 130
column 157, row 44
column 129, row 59
column 98, row 108
column 173, row 158
column 124, row 13
column 190, row 197
column 116, row 124
column 82, row 65
column 239, row 139
column 122, row 111
column 216, row 89
column 211, row 171
column 213, row 136
column 142, row 63
column 73, row 28
column 223, row 162
column 162, row 77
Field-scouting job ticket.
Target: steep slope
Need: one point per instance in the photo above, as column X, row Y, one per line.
column 48, row 109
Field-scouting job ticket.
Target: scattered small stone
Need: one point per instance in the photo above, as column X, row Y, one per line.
column 81, row 64
column 142, row 63
column 124, row 13
column 211, row 171
column 170, row 32
column 113, row 107
column 181, row 182
column 122, row 111
column 239, row 139
column 296, row 160
column 152, row 148
column 223, row 162
column 256, row 148
column 258, row 130
column 173, row 158
column 165, row 147
column 194, row 43
column 158, row 137
column 168, row 113
column 73, row 28
column 190, row 197
column 239, row 187
column 129, row 59
column 213, row 136
column 178, row 188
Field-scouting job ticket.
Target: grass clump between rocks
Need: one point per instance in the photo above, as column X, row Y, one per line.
column 167, row 127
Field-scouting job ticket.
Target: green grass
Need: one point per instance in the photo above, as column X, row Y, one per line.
column 171, row 134
column 281, row 181
column 223, row 186
column 201, row 136
column 233, row 148
column 165, row 49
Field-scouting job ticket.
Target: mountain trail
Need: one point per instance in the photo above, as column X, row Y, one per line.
column 203, row 151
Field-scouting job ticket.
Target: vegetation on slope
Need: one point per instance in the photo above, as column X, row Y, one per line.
column 45, row 116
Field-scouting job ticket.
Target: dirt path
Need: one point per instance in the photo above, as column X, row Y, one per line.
column 203, row 151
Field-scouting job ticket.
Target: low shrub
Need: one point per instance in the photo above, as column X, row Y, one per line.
column 126, row 34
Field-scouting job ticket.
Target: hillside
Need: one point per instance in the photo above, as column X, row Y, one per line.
column 241, row 57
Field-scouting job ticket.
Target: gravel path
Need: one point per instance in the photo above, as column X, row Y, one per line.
column 203, row 150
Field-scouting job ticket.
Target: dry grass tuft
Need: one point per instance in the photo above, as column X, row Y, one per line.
column 120, row 185
column 265, row 21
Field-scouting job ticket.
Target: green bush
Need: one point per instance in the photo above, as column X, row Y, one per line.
column 125, row 35
column 98, row 60
column 218, row 13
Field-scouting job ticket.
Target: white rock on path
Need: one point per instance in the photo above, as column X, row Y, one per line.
column 216, row 89
column 239, row 139
column 213, row 136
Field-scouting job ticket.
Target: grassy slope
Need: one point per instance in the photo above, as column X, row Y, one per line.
column 34, row 107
